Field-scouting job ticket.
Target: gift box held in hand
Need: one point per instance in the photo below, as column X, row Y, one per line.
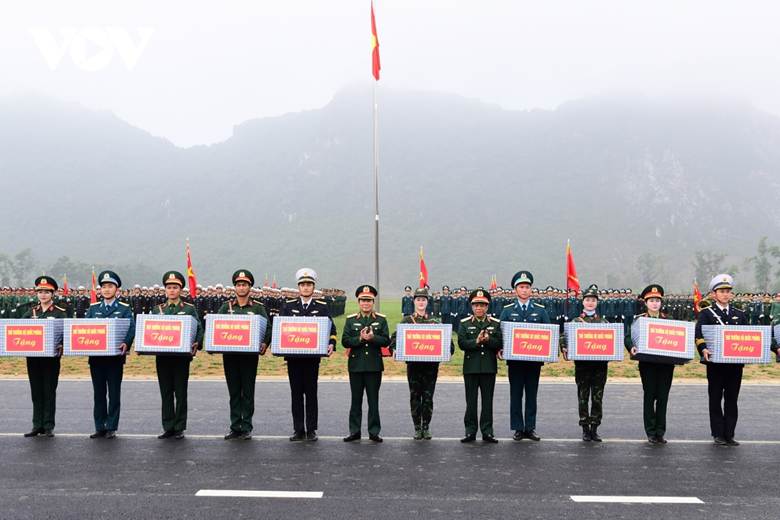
column 234, row 333
column 30, row 338
column 427, row 342
column 594, row 341
column 162, row 334
column 300, row 336
column 94, row 337
column 530, row 341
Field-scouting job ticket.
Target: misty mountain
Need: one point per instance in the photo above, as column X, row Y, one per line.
column 483, row 189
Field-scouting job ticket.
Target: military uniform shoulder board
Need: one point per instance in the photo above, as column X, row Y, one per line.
column 124, row 304
column 258, row 302
column 93, row 304
column 381, row 315
column 539, row 305
column 321, row 301
column 643, row 315
column 353, row 315
column 188, row 303
column 292, row 301
column 58, row 308
column 494, row 319
column 467, row 318
column 508, row 305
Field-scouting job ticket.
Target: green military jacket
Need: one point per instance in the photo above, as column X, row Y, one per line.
column 479, row 358
column 37, row 312
column 253, row 307
column 365, row 356
column 171, row 309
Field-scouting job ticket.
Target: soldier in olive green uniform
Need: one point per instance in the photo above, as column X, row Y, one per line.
column 365, row 333
column 173, row 370
column 591, row 376
column 421, row 375
column 479, row 337
column 44, row 372
column 241, row 368
column 656, row 377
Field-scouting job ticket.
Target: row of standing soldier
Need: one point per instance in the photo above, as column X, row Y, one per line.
column 366, row 334
column 142, row 300
column 614, row 305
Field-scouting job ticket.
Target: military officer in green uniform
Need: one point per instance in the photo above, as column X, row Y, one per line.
column 44, row 372
column 479, row 337
column 365, row 333
column 241, row 368
column 590, row 376
column 656, row 377
column 173, row 370
column 421, row 375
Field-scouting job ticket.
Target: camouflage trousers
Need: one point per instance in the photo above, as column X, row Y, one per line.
column 591, row 377
column 422, row 385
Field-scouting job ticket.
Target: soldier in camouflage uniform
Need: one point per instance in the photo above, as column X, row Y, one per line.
column 591, row 376
column 421, row 375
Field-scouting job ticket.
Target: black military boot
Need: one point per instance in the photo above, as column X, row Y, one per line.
column 586, row 433
column 594, row 435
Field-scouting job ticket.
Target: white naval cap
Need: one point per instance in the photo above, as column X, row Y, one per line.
column 721, row 281
column 306, row 274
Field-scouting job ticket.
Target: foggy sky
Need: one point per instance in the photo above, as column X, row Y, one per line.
column 210, row 66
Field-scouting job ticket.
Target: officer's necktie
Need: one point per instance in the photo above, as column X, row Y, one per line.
column 524, row 307
column 305, row 306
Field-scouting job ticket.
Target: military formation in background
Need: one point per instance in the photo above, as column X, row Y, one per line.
column 615, row 305
column 142, row 300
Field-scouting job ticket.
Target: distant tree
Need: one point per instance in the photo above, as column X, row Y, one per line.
column 23, row 268
column 762, row 265
column 79, row 273
column 651, row 267
column 707, row 264
column 6, row 270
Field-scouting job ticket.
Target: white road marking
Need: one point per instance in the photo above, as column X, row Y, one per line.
column 618, row 499
column 247, row 493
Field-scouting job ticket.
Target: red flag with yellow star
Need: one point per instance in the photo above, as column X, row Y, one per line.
column 696, row 297
column 375, row 65
column 191, row 279
column 423, row 270
column 93, row 290
column 572, row 282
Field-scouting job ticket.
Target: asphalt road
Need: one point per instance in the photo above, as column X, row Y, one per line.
column 138, row 476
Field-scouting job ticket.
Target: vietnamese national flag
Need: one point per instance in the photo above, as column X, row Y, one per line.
column 375, row 66
column 93, row 290
column 696, row 297
column 275, row 285
column 572, row 282
column 191, row 279
column 493, row 283
column 423, row 270
column 65, row 288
